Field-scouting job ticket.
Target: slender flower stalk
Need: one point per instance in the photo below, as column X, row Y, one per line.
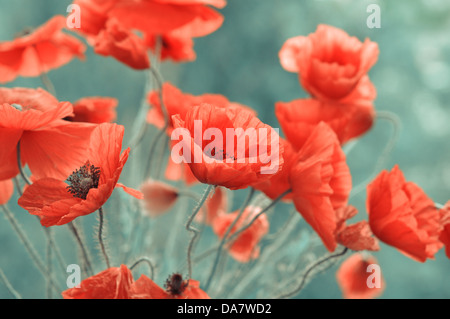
column 19, row 164
column 146, row 261
column 29, row 247
column 225, row 236
column 84, row 253
column 194, row 230
column 8, row 285
column 100, row 238
column 309, row 270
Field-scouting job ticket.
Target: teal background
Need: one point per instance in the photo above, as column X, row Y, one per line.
column 240, row 61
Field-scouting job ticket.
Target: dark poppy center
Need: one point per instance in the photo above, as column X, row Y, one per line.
column 175, row 285
column 82, row 180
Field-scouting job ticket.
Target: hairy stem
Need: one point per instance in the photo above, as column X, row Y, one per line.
column 100, row 237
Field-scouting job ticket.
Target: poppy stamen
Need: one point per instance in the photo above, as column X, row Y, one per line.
column 175, row 285
column 82, row 180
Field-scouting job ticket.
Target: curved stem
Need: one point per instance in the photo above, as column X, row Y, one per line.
column 87, row 262
column 100, row 237
column 272, row 204
column 148, row 262
column 225, row 236
column 19, row 164
column 29, row 247
column 194, row 230
column 8, row 285
column 309, row 270
column 396, row 125
column 161, row 133
column 48, row 84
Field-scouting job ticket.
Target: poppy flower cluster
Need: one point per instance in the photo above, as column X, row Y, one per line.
column 118, row 283
column 167, row 27
column 332, row 67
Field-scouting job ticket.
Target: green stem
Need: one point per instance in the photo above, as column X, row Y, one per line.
column 309, row 270
column 86, row 260
column 194, row 230
column 148, row 262
column 8, row 285
column 100, row 237
column 225, row 236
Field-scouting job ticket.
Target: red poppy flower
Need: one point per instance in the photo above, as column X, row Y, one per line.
column 123, row 45
column 330, row 63
column 403, row 216
column 444, row 237
column 94, row 110
column 159, row 197
column 40, row 51
column 6, row 191
column 175, row 45
column 112, row 283
column 216, row 163
column 90, row 186
column 160, row 17
column 177, row 102
column 356, row 236
column 245, row 247
column 353, row 275
column 176, row 172
column 321, row 182
column 176, row 288
column 298, row 119
column 279, row 183
column 50, row 146
column 216, row 205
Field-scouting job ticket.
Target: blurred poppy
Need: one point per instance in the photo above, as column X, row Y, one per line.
column 330, row 63
column 90, row 186
column 403, row 216
column 174, row 45
column 6, row 191
column 219, row 163
column 215, row 205
column 123, row 45
column 245, row 247
column 159, row 197
column 353, row 276
column 321, row 182
column 112, row 283
column 39, row 51
column 94, row 110
column 51, row 147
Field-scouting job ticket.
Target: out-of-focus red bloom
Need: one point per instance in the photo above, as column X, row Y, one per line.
column 213, row 163
column 330, row 63
column 216, row 205
column 50, row 146
column 145, row 288
column 38, row 52
column 159, row 197
column 353, row 275
column 356, row 236
column 321, row 182
column 58, row 203
column 123, row 45
column 160, row 17
column 175, row 45
column 298, row 119
column 6, row 191
column 94, row 110
column 112, row 283
column 403, row 216
column 444, row 237
column 245, row 247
